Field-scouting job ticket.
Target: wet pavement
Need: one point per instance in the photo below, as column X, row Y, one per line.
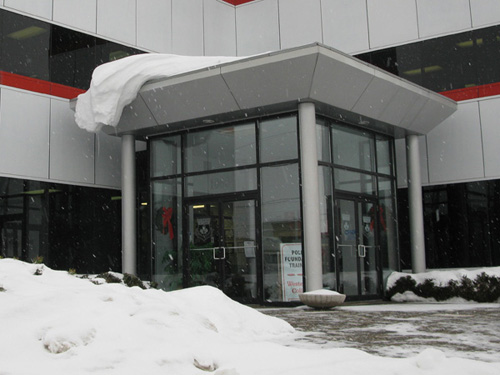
column 399, row 330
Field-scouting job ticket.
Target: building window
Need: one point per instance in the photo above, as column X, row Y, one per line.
column 446, row 63
column 461, row 224
column 40, row 50
column 68, row 226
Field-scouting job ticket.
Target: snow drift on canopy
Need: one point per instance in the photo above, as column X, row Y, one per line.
column 116, row 84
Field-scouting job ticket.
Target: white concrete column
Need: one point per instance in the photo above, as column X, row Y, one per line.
column 415, row 204
column 129, row 242
column 310, row 197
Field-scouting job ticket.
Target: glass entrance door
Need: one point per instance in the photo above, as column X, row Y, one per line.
column 223, row 247
column 357, row 247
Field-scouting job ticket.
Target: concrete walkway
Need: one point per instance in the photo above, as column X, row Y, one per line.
column 400, row 330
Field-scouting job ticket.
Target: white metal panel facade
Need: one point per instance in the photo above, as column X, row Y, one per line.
column 300, row 22
column 257, row 27
column 490, row 126
column 443, row 16
column 107, row 160
column 65, row 10
column 391, row 22
column 24, row 134
column 485, row 12
column 39, row 8
column 71, row 148
column 116, row 19
column 345, row 25
column 219, row 25
column 187, row 27
column 455, row 147
column 154, row 25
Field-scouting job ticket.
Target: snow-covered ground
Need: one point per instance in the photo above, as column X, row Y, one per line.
column 55, row 323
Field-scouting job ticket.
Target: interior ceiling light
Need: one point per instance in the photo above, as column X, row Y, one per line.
column 117, row 55
column 427, row 69
column 27, row 32
column 470, row 43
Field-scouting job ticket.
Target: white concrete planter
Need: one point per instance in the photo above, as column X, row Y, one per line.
column 322, row 299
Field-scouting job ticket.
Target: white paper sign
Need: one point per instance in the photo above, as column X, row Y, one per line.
column 291, row 271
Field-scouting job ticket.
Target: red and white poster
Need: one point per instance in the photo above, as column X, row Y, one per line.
column 291, row 271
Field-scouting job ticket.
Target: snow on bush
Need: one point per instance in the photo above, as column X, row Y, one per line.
column 481, row 285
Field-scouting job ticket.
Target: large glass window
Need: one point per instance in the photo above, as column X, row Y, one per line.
column 446, row 63
column 68, row 226
column 40, row 50
column 221, row 182
column 353, row 148
column 363, row 176
column 167, row 233
column 281, row 230
column 461, row 224
column 229, row 147
column 327, row 226
column 278, row 139
column 166, row 156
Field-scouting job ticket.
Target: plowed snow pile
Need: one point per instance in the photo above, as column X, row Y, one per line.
column 58, row 324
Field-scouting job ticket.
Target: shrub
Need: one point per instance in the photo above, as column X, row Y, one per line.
column 37, row 260
column 484, row 288
column 109, row 278
column 131, row 280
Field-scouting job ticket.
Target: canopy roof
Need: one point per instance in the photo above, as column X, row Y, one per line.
column 342, row 87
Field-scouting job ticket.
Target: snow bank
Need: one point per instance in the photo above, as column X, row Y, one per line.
column 58, row 324
column 116, row 84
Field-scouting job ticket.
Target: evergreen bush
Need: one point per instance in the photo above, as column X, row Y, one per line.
column 484, row 288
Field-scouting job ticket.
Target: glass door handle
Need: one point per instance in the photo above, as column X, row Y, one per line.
column 223, row 253
column 362, row 251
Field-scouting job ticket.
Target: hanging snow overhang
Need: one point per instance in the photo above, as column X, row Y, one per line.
column 341, row 86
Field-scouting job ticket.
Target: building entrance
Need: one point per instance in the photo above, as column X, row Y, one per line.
column 222, row 246
column 357, row 247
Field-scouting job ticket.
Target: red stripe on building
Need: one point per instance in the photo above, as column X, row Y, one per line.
column 237, row 2
column 475, row 92
column 38, row 85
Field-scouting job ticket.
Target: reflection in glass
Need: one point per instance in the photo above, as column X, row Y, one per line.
column 450, row 62
column 384, row 157
column 69, row 226
column 223, row 247
column 367, row 247
column 40, row 50
column 167, row 234
column 326, row 223
column 166, row 156
column 323, row 142
column 278, row 139
column 353, row 148
column 354, row 182
column 346, row 236
column 281, row 223
column 221, row 182
column 220, row 148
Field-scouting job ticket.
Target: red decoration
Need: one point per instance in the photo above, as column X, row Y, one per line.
column 167, row 221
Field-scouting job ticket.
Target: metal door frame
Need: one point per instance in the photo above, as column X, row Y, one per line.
column 220, row 200
column 358, row 199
